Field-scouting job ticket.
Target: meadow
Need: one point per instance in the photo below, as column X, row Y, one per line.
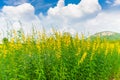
column 58, row 56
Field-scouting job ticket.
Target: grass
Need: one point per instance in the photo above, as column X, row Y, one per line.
column 58, row 57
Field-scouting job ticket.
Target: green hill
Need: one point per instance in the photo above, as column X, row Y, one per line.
column 107, row 35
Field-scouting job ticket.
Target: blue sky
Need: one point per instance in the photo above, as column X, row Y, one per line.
column 44, row 5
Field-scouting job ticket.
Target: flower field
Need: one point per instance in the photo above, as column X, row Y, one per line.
column 58, row 56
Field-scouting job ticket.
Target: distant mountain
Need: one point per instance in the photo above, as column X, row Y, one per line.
column 105, row 33
column 108, row 35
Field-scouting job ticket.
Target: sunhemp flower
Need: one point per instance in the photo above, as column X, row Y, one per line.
column 4, row 53
column 118, row 50
column 78, row 52
column 82, row 58
column 58, row 55
column 92, row 55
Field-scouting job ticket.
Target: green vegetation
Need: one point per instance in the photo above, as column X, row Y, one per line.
column 110, row 36
column 58, row 57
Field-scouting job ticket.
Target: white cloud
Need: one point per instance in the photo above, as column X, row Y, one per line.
column 15, row 2
column 104, row 21
column 15, row 17
column 76, row 11
column 66, row 18
column 86, row 17
column 116, row 3
column 61, row 3
column 22, row 12
column 108, row 2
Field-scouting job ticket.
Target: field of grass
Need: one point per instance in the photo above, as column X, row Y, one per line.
column 58, row 56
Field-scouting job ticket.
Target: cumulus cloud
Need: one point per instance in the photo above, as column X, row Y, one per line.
column 22, row 12
column 16, row 17
column 117, row 2
column 86, row 17
column 76, row 11
column 61, row 3
column 65, row 17
column 104, row 21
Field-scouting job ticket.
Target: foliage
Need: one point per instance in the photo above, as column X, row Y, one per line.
column 58, row 57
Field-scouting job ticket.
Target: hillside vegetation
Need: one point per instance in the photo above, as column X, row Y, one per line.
column 108, row 35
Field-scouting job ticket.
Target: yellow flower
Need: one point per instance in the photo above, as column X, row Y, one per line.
column 112, row 46
column 106, row 51
column 12, row 40
column 102, row 45
column 58, row 55
column 118, row 50
column 82, row 58
column 1, row 46
column 92, row 55
column 59, row 44
column 79, row 49
column 38, row 47
column 4, row 53
column 94, row 47
column 18, row 46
